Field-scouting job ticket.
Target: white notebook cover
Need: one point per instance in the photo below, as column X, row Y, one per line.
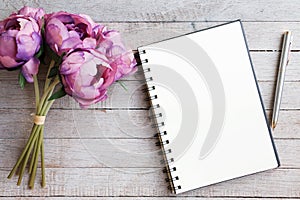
column 210, row 107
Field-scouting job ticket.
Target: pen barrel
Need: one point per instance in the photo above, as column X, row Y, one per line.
column 281, row 75
column 278, row 93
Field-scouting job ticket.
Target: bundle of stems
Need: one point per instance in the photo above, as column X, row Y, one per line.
column 35, row 145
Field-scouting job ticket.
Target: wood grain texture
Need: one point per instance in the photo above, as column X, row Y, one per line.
column 265, row 66
column 143, row 10
column 74, row 171
column 117, row 153
column 133, row 97
column 260, row 36
column 75, row 124
column 131, row 198
column 115, row 182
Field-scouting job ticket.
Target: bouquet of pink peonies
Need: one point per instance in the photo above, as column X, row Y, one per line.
column 83, row 59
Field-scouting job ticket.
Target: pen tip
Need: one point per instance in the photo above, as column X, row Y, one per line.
column 273, row 125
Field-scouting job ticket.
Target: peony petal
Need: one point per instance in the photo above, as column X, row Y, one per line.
column 89, row 93
column 27, row 45
column 69, row 81
column 71, row 43
column 89, row 19
column 115, row 51
column 35, row 13
column 126, row 65
column 89, row 80
column 55, row 26
column 89, row 43
column 66, row 86
column 109, row 76
column 73, row 34
column 99, row 83
column 30, row 68
column 89, row 69
column 9, row 62
column 10, row 23
column 26, row 26
column 8, row 46
column 115, row 37
column 35, row 24
column 64, row 17
column 83, row 24
column 104, row 46
column 99, row 57
column 10, row 33
column 72, row 63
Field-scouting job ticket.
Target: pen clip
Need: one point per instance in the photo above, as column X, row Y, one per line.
column 289, row 51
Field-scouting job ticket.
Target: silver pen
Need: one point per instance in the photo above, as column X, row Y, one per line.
column 284, row 60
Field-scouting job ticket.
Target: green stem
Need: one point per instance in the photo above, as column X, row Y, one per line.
column 33, row 154
column 35, row 144
column 36, row 91
column 27, row 156
column 44, row 97
column 47, row 82
column 33, row 174
column 28, row 144
column 46, row 108
column 42, row 159
column 43, row 108
column 43, row 111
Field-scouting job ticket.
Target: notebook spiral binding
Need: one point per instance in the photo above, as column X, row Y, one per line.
column 157, row 125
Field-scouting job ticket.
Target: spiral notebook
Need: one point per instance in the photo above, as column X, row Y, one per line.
column 209, row 115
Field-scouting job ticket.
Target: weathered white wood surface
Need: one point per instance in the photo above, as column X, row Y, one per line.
column 131, row 198
column 170, row 11
column 73, row 171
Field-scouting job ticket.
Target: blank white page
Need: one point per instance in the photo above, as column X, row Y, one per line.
column 210, row 106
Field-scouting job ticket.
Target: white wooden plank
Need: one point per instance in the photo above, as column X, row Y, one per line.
column 72, row 124
column 89, row 153
column 86, row 177
column 116, row 182
column 260, row 35
column 265, row 66
column 288, row 125
column 123, row 153
column 79, row 124
column 133, row 97
column 268, row 37
column 172, row 10
column 118, row 96
column 132, row 198
column 290, row 96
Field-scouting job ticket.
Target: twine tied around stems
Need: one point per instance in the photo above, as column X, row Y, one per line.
column 39, row 120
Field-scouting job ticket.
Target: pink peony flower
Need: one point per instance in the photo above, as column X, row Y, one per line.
column 111, row 44
column 65, row 31
column 35, row 13
column 20, row 40
column 86, row 75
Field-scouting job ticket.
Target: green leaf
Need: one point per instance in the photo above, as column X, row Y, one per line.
column 40, row 52
column 43, row 26
column 22, row 80
column 123, row 85
column 60, row 93
column 53, row 72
